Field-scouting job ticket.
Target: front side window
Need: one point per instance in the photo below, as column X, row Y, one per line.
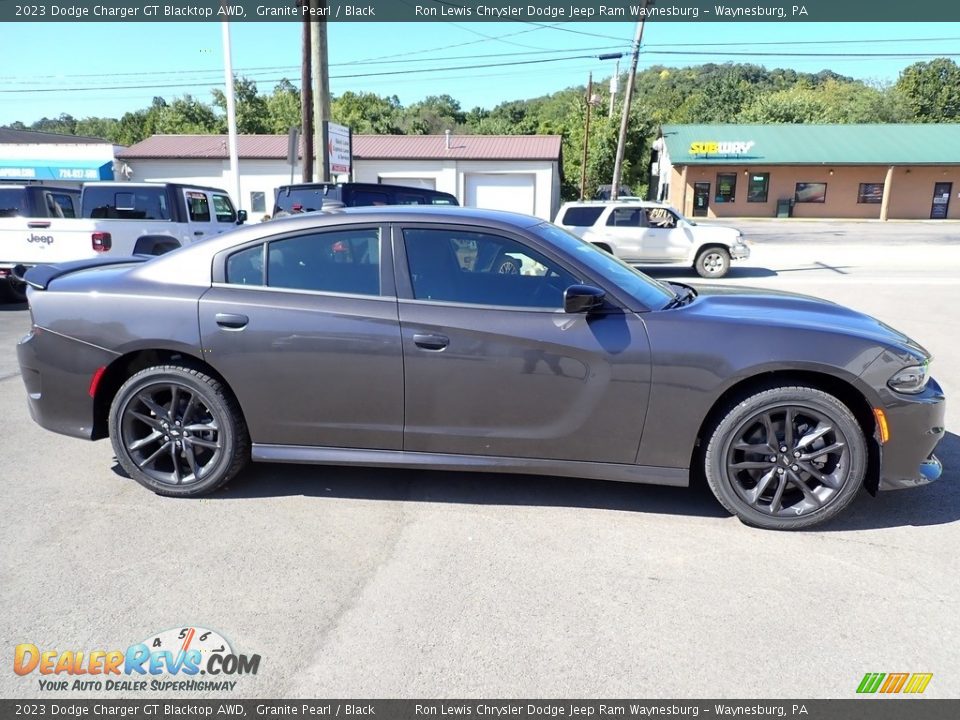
column 726, row 188
column 758, row 188
column 815, row 192
column 659, row 217
column 224, row 209
column 198, row 207
column 482, row 269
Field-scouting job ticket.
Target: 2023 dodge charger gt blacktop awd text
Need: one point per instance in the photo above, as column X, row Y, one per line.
column 461, row 339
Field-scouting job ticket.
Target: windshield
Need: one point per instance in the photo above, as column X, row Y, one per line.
column 648, row 292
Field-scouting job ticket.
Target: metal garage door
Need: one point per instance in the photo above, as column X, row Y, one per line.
column 514, row 192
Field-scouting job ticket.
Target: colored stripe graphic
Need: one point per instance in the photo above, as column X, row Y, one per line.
column 918, row 682
column 894, row 682
column 870, row 682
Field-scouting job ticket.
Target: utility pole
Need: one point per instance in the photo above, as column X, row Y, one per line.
column 625, row 118
column 586, row 138
column 321, row 90
column 231, row 115
column 614, row 87
column 306, row 99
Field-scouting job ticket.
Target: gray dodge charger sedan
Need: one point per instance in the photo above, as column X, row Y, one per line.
column 459, row 339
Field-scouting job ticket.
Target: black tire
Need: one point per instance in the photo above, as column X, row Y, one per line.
column 13, row 291
column 764, row 485
column 199, row 438
column 712, row 262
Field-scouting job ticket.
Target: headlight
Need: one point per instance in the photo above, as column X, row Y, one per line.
column 910, row 380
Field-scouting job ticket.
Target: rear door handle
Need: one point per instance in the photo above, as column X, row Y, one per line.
column 232, row 321
column 431, row 342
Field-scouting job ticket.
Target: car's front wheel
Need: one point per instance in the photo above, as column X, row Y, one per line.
column 786, row 458
column 178, row 431
column 712, row 262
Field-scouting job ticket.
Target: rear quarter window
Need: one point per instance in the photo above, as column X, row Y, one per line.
column 581, row 216
column 119, row 203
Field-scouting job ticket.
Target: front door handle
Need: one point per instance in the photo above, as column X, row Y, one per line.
column 198, row 233
column 232, row 321
column 431, row 342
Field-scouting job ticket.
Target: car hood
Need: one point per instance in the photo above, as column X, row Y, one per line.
column 777, row 308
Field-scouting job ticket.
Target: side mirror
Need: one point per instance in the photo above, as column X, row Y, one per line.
column 241, row 217
column 582, row 298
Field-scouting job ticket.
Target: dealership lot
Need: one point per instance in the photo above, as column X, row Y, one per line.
column 375, row 583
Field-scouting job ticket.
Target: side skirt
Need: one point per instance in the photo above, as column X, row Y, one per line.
column 676, row 477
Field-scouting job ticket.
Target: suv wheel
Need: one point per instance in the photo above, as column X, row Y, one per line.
column 712, row 262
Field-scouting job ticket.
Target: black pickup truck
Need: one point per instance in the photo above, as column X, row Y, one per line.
column 39, row 201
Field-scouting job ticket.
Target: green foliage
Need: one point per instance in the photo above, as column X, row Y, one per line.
column 711, row 93
column 931, row 90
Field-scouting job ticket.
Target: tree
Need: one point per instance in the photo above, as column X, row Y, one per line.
column 283, row 107
column 368, row 113
column 184, row 116
column 434, row 115
column 253, row 117
column 931, row 90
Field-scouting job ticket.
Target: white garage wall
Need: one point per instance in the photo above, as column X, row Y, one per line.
column 445, row 175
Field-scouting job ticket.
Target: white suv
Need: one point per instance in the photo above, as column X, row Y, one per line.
column 648, row 233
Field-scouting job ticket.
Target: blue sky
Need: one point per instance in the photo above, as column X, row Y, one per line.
column 45, row 62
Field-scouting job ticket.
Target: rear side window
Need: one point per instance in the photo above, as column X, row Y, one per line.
column 134, row 203
column 581, row 216
column 343, row 261
column 367, row 197
column 627, row 217
column 60, row 205
column 198, row 206
column 224, row 209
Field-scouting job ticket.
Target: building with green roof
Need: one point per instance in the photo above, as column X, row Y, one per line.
column 908, row 171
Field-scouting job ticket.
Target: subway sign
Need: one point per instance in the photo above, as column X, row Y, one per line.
column 726, row 147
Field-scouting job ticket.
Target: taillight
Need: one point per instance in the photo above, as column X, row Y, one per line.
column 101, row 242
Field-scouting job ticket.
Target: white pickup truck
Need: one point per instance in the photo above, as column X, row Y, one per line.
column 117, row 219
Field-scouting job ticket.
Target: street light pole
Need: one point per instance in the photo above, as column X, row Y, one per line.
column 586, row 138
column 625, row 117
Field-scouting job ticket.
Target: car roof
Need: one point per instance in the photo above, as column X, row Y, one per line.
column 191, row 264
column 618, row 201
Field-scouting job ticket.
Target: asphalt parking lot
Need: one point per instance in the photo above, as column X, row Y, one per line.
column 375, row 583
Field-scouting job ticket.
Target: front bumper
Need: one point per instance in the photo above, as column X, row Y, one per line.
column 739, row 251
column 916, row 426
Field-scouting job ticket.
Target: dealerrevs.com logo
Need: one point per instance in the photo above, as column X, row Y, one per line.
column 186, row 659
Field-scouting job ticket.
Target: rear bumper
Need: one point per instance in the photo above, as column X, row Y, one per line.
column 56, row 372
column 916, row 426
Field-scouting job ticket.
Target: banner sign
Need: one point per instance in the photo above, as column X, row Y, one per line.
column 482, row 11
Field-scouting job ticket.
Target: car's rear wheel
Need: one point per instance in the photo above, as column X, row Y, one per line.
column 178, row 431
column 786, row 458
column 712, row 262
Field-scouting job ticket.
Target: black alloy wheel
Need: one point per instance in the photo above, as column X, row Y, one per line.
column 787, row 458
column 177, row 431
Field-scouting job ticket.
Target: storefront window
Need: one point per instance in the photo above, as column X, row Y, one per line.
column 757, row 189
column 870, row 193
column 815, row 192
column 726, row 187
column 258, row 202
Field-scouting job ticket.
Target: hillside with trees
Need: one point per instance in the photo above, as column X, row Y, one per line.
column 711, row 93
